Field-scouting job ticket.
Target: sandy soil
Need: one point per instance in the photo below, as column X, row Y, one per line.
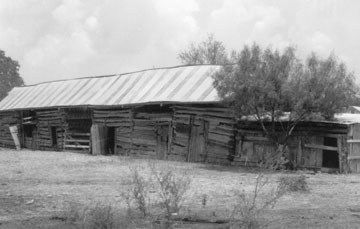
column 36, row 185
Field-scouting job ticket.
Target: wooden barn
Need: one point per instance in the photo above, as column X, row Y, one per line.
column 168, row 113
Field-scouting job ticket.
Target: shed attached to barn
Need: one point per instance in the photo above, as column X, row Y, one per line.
column 168, row 113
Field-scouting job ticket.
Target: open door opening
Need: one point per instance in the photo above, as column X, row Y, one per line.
column 54, row 137
column 103, row 139
column 30, row 136
column 330, row 157
column 110, row 141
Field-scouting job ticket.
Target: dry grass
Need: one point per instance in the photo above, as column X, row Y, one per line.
column 36, row 185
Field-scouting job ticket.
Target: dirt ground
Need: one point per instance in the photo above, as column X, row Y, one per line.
column 36, row 185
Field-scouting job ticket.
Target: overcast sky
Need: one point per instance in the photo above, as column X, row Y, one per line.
column 59, row 39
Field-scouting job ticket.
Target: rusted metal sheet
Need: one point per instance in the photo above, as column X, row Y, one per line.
column 178, row 84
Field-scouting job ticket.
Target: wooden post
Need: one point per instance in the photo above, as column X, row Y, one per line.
column 299, row 156
column 170, row 139
column 22, row 134
column 132, row 126
column 191, row 123
column 339, row 145
column 206, row 137
column 159, row 151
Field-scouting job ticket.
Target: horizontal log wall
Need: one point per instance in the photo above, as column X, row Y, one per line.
column 207, row 131
column 121, row 119
column 136, row 132
column 146, row 133
column 8, row 119
column 47, row 119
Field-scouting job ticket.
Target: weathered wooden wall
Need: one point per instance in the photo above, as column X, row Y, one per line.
column 306, row 146
column 77, row 132
column 202, row 134
column 353, row 141
column 194, row 133
column 46, row 120
column 137, row 132
column 8, row 119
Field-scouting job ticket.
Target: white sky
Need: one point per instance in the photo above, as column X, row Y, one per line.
column 58, row 39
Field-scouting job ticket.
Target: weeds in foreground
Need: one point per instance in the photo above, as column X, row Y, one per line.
column 138, row 194
column 100, row 216
column 161, row 190
column 294, row 183
column 249, row 209
column 73, row 212
column 172, row 188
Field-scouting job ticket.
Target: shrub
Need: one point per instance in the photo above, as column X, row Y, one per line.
column 172, row 189
column 293, row 183
column 249, row 208
column 138, row 194
column 101, row 216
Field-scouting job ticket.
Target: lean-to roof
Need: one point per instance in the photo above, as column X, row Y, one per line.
column 191, row 84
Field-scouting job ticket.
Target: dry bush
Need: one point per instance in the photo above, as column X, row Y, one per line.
column 100, row 216
column 172, row 188
column 138, row 194
column 249, row 210
column 162, row 191
column 294, row 183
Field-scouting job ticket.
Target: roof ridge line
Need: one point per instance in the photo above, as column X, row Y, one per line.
column 119, row 74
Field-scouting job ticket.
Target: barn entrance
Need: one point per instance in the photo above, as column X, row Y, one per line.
column 54, row 137
column 330, row 157
column 30, row 136
column 103, row 139
column 29, row 129
column 110, row 140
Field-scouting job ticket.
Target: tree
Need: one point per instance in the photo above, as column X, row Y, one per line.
column 209, row 51
column 9, row 74
column 270, row 87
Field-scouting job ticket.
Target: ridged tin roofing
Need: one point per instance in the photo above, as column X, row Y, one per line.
column 177, row 84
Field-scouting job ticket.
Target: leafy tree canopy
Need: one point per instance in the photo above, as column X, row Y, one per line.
column 267, row 84
column 209, row 51
column 9, row 74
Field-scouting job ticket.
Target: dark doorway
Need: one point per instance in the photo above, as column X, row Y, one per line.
column 110, row 141
column 54, row 136
column 330, row 157
column 30, row 136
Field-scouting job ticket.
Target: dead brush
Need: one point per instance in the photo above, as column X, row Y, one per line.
column 138, row 194
column 99, row 216
column 248, row 212
column 172, row 188
column 296, row 183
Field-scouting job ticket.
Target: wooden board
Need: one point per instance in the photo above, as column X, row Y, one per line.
column 354, row 154
column 98, row 139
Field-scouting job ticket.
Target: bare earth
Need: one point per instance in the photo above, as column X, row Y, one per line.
column 36, row 185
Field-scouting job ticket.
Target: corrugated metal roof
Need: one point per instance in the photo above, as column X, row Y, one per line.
column 177, row 84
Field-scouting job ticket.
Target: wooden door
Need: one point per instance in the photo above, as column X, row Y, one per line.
column 98, row 139
column 197, row 141
column 311, row 153
column 162, row 141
